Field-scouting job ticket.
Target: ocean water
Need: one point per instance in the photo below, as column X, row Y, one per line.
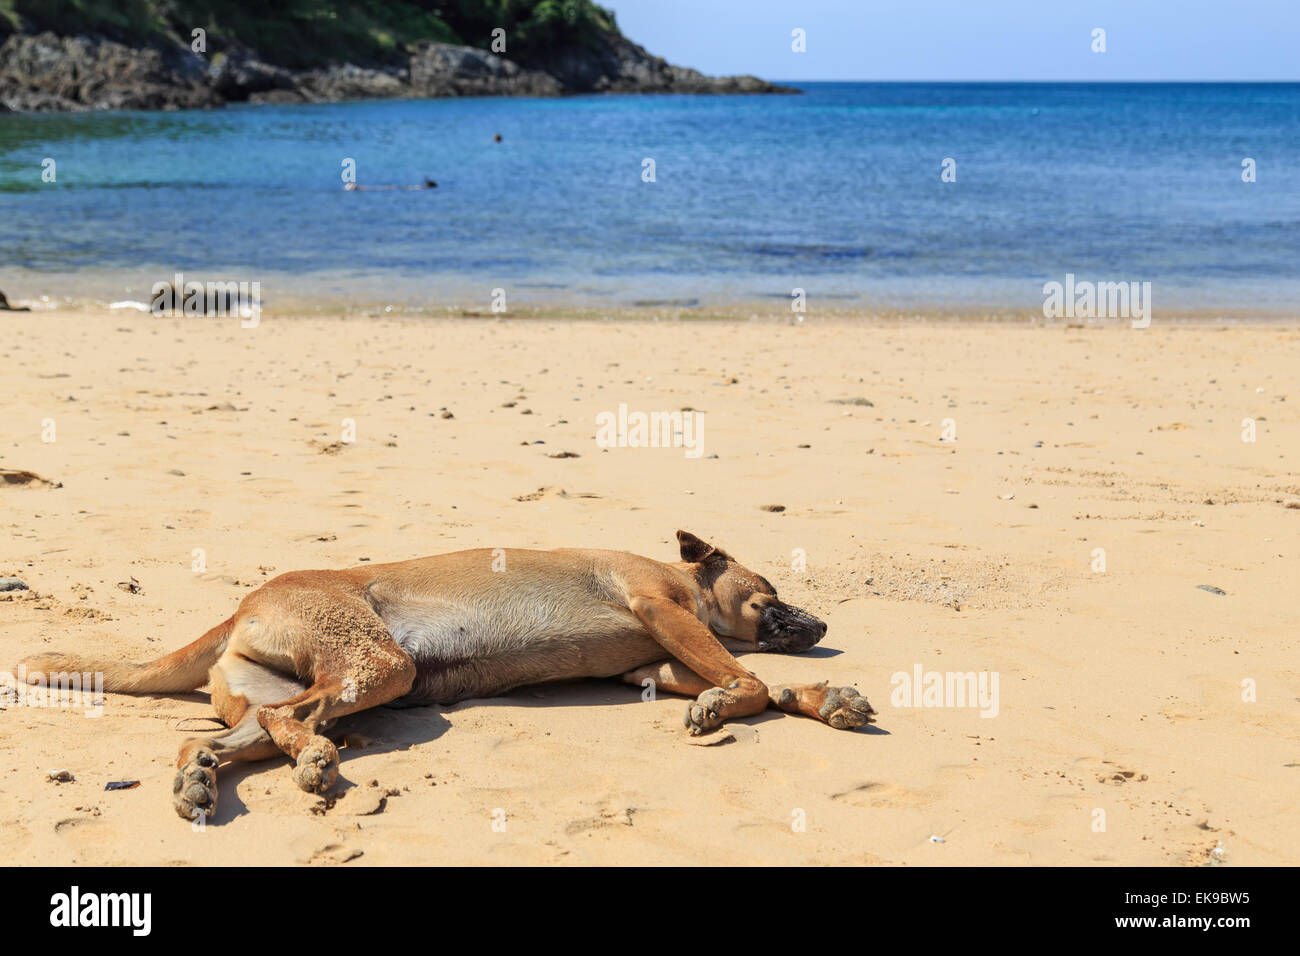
column 837, row 191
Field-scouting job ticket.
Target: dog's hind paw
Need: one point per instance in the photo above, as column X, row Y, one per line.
column 194, row 791
column 318, row 766
column 705, row 712
column 844, row 708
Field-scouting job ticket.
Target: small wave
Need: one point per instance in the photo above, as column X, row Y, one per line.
column 820, row 252
column 845, row 296
column 667, row 303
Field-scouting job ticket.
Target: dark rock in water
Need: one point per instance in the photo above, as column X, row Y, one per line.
column 1211, row 588
column 12, row 584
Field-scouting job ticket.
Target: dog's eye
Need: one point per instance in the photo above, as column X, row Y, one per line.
column 756, row 607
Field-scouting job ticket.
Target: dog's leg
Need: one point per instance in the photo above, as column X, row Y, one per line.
column 356, row 665
column 293, row 723
column 843, row 707
column 194, row 790
column 672, row 676
column 732, row 691
column 238, row 685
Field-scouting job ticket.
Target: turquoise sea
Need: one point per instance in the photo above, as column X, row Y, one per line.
column 837, row 191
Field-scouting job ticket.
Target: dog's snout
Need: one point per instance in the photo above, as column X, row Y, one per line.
column 800, row 618
column 790, row 629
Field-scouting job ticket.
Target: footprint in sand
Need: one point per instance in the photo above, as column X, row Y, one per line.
column 1109, row 772
column 877, row 794
column 86, row 834
column 551, row 491
column 68, row 824
column 331, row 854
column 613, row 812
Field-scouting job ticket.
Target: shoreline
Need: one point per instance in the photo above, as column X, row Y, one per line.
column 670, row 311
column 686, row 298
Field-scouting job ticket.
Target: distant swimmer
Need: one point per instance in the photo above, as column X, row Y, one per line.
column 427, row 184
column 496, row 138
column 6, row 307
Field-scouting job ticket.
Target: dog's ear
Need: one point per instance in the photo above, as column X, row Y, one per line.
column 693, row 549
column 696, row 551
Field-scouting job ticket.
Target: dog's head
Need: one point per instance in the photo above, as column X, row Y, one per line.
column 743, row 605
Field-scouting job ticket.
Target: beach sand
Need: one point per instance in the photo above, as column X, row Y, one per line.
column 1126, row 729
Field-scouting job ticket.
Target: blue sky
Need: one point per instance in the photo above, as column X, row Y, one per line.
column 973, row 39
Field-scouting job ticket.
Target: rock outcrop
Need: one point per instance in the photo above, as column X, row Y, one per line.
column 45, row 71
column 49, row 72
column 440, row 69
column 617, row 65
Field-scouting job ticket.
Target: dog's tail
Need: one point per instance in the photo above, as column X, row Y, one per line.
column 180, row 670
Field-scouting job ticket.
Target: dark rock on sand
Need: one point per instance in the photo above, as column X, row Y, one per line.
column 6, row 307
column 22, row 478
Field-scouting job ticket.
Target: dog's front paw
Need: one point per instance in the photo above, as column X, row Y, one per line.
column 194, row 791
column 705, row 712
column 844, row 709
column 318, row 766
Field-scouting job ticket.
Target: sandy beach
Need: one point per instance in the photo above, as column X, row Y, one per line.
column 1041, row 503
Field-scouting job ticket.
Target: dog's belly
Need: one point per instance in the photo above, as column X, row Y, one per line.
column 481, row 651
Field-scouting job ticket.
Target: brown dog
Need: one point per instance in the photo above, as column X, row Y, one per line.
column 309, row 647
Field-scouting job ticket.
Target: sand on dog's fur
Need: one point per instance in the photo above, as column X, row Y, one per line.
column 1123, row 694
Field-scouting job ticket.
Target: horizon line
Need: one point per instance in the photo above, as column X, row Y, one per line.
column 1014, row 82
